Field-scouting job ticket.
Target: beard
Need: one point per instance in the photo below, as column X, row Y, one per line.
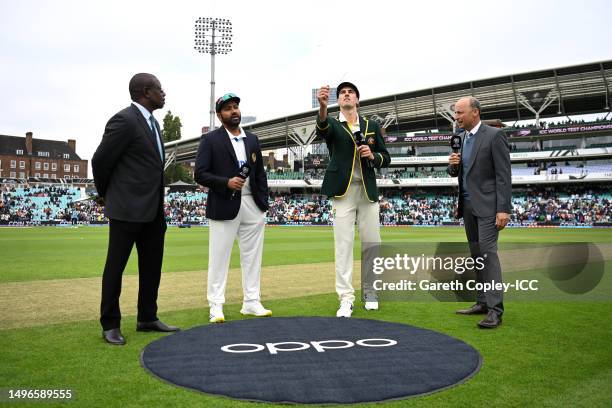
column 232, row 121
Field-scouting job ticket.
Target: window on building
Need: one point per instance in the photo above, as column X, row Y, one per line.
column 45, row 176
column 21, row 175
column 19, row 152
column 37, row 165
column 54, row 176
column 43, row 154
column 13, row 164
column 37, row 175
column 21, row 164
column 66, row 167
column 53, row 166
column 66, row 156
column 13, row 174
column 46, row 166
column 75, row 168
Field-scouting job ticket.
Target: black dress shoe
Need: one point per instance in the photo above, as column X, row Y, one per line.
column 491, row 321
column 155, row 326
column 478, row 308
column 114, row 337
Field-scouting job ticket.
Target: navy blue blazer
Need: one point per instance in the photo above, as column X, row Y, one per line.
column 216, row 163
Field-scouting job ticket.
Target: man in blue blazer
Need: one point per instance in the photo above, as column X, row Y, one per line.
column 235, row 206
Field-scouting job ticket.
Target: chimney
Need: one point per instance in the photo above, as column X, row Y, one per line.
column 29, row 143
column 72, row 145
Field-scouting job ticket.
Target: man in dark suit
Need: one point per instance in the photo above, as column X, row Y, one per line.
column 128, row 170
column 485, row 191
column 356, row 147
column 235, row 206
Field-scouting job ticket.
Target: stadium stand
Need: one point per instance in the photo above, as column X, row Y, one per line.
column 28, row 205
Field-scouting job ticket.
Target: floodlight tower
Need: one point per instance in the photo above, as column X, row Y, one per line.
column 213, row 36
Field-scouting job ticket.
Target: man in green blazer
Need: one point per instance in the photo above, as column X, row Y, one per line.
column 356, row 147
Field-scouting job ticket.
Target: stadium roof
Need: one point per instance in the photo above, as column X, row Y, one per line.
column 575, row 90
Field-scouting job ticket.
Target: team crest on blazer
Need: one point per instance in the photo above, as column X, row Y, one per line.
column 253, row 157
column 370, row 140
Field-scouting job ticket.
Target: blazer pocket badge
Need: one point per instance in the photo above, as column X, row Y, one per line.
column 371, row 140
column 253, row 157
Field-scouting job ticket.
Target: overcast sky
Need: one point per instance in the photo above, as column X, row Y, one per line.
column 65, row 65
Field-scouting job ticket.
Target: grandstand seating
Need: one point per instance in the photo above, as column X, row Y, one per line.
column 524, row 171
column 286, row 175
column 569, row 204
column 40, row 204
column 604, row 168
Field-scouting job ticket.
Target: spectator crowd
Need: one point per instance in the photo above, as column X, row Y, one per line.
column 582, row 205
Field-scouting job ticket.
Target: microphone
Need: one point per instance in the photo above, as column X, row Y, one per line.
column 243, row 173
column 455, row 144
column 360, row 141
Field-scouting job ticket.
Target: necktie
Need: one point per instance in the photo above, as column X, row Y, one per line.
column 154, row 134
column 465, row 159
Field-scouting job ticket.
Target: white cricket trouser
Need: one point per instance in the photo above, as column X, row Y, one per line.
column 248, row 226
column 354, row 204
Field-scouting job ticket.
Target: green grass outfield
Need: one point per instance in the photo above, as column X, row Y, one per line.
column 545, row 354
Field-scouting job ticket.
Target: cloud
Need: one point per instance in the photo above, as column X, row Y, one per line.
column 66, row 64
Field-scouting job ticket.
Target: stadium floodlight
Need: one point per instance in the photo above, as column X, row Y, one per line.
column 213, row 36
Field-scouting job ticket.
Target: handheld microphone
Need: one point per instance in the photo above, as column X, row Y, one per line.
column 360, row 141
column 455, row 144
column 243, row 173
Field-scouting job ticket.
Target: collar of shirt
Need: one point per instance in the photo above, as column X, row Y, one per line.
column 475, row 128
column 353, row 126
column 145, row 112
column 242, row 135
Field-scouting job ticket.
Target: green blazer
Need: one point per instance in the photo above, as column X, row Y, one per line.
column 343, row 152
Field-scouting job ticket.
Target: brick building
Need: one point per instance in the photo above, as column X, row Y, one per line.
column 26, row 157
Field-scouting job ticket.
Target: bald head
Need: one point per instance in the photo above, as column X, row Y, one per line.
column 467, row 112
column 147, row 91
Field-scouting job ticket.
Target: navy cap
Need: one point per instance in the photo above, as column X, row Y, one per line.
column 347, row 85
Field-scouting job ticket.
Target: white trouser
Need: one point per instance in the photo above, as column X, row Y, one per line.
column 248, row 226
column 354, row 204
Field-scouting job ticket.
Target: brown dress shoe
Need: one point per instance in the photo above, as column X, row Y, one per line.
column 478, row 308
column 491, row 321
column 114, row 337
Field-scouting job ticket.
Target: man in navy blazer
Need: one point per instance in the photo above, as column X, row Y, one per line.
column 128, row 170
column 235, row 206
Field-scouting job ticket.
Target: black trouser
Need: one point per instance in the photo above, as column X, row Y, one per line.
column 482, row 236
column 149, row 240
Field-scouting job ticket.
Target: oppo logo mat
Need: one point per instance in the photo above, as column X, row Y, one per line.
column 318, row 346
column 305, row 360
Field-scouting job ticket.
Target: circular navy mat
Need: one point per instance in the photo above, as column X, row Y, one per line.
column 311, row 360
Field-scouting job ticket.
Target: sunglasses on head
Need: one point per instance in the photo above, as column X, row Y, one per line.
column 227, row 97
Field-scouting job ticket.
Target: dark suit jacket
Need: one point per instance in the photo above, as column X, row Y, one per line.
column 216, row 163
column 342, row 150
column 488, row 173
column 127, row 169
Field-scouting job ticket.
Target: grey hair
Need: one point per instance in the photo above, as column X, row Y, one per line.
column 474, row 103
